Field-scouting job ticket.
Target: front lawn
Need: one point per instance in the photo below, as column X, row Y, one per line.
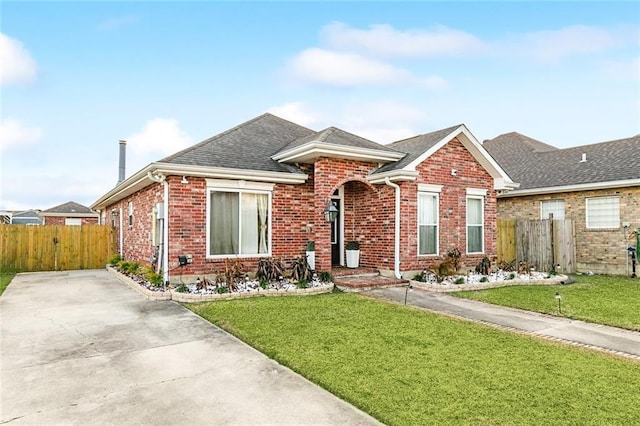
column 5, row 279
column 603, row 299
column 405, row 366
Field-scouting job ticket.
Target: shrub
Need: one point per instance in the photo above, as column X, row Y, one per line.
column 222, row 289
column 302, row 283
column 353, row 245
column 300, row 270
column 459, row 280
column 155, row 279
column 484, row 279
column 182, row 288
column 269, row 269
column 263, row 284
column 115, row 259
column 419, row 277
column 325, row 277
column 454, row 256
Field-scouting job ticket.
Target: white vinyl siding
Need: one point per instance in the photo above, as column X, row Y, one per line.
column 428, row 223
column 603, row 213
column 555, row 207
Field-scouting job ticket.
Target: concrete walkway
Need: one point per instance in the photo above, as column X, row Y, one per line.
column 82, row 348
column 610, row 339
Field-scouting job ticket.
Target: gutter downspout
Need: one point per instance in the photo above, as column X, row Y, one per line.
column 165, row 224
column 396, row 246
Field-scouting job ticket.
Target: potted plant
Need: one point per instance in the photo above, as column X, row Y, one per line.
column 353, row 254
column 311, row 255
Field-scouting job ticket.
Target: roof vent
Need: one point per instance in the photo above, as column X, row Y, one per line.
column 584, row 157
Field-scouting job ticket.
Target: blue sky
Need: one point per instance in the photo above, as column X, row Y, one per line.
column 78, row 76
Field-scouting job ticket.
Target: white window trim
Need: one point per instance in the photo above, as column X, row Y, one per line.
column 477, row 192
column 475, row 196
column 437, row 195
column 586, row 213
column 426, row 187
column 73, row 221
column 552, row 199
column 228, row 186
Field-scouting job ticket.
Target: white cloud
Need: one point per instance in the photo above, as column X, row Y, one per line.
column 118, row 22
column 16, row 64
column 15, row 134
column 575, row 40
column 348, row 69
column 382, row 121
column 623, row 70
column 384, row 40
column 159, row 136
column 296, row 112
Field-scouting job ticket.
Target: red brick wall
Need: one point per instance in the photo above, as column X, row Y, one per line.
column 59, row 220
column 368, row 212
column 436, row 170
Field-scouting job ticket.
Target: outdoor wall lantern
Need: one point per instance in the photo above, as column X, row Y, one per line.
column 330, row 213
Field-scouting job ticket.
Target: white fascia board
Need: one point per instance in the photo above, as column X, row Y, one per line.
column 394, row 176
column 141, row 179
column 313, row 150
column 225, row 173
column 500, row 177
column 571, row 188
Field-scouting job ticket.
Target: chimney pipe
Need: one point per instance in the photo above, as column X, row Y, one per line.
column 123, row 154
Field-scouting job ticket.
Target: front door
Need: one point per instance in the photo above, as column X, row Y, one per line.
column 335, row 235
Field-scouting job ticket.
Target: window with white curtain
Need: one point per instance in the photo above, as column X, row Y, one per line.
column 475, row 224
column 238, row 223
column 603, row 213
column 555, row 207
column 427, row 223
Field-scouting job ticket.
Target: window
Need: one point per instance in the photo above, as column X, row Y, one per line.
column 603, row 212
column 130, row 213
column 238, row 223
column 73, row 221
column 555, row 207
column 427, row 223
column 475, row 224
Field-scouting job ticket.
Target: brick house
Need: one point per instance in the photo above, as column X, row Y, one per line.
column 260, row 189
column 597, row 186
column 70, row 213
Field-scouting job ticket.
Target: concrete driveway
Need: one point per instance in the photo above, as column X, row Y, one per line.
column 81, row 348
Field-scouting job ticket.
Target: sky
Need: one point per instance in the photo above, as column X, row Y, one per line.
column 76, row 77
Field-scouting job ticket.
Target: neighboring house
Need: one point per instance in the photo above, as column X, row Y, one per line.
column 597, row 186
column 28, row 217
column 70, row 213
column 260, row 189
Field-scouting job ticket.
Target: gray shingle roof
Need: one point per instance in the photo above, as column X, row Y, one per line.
column 537, row 165
column 335, row 136
column 69, row 207
column 414, row 147
column 248, row 146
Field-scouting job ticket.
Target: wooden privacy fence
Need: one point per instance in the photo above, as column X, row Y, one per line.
column 540, row 243
column 25, row 248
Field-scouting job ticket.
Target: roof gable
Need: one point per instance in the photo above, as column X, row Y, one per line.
column 337, row 143
column 421, row 147
column 68, row 208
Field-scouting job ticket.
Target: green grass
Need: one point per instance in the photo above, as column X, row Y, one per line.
column 610, row 300
column 406, row 367
column 5, row 279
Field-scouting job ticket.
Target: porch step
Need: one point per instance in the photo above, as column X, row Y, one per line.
column 355, row 283
column 341, row 271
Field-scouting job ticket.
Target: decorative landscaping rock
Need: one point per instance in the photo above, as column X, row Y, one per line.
column 474, row 281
